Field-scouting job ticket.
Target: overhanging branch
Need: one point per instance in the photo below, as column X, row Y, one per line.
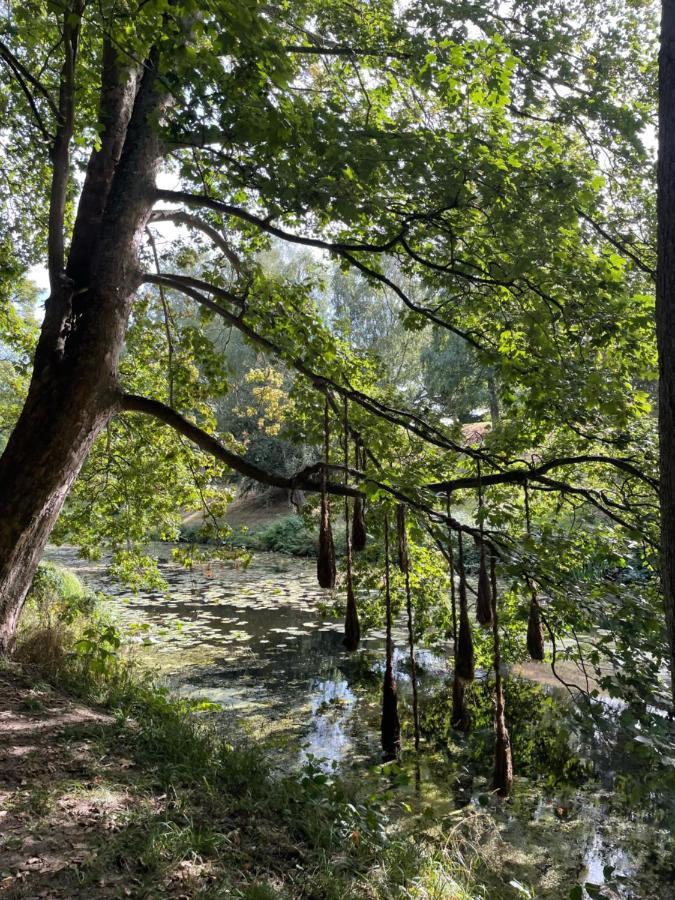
column 305, row 480
column 181, row 217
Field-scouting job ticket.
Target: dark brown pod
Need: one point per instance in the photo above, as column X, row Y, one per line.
column 325, row 564
column 535, row 632
column 358, row 526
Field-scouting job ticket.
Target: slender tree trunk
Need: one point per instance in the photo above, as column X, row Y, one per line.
column 352, row 636
column 665, row 317
column 503, row 773
column 390, row 729
column 493, row 398
column 413, row 661
column 404, row 564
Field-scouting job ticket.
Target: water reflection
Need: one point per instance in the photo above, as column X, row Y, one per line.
column 256, row 643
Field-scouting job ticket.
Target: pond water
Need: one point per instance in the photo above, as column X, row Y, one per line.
column 256, row 640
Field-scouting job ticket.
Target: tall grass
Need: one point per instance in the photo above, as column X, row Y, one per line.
column 264, row 834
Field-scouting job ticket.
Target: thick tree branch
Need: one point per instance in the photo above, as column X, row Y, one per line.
column 181, row 282
column 180, row 217
column 520, row 476
column 204, row 202
column 118, row 92
column 61, row 148
column 305, row 480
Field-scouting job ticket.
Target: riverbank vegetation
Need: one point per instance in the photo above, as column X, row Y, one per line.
column 401, row 266
column 153, row 802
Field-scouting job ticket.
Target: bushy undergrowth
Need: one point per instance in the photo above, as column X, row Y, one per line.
column 261, row 834
column 291, row 534
column 288, row 535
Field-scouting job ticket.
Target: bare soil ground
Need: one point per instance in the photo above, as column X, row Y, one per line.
column 252, row 510
column 64, row 802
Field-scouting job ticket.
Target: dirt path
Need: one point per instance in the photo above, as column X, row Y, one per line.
column 61, row 797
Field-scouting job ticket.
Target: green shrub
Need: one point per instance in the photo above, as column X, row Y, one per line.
column 56, row 608
column 58, row 593
column 287, row 535
column 290, row 535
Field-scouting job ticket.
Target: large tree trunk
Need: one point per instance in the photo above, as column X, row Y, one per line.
column 665, row 317
column 45, row 452
column 74, row 391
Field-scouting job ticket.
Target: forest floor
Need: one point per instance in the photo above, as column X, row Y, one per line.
column 61, row 801
column 94, row 805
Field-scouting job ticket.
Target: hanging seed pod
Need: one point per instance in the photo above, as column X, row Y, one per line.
column 390, row 726
column 325, row 563
column 358, row 515
column 535, row 631
column 352, row 627
column 503, row 771
column 358, row 526
column 464, row 657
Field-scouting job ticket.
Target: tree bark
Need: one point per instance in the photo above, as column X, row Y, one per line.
column 58, row 424
column 665, row 318
column 503, row 772
column 73, row 390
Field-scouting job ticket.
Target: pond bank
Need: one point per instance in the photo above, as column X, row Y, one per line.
column 144, row 803
column 255, row 641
